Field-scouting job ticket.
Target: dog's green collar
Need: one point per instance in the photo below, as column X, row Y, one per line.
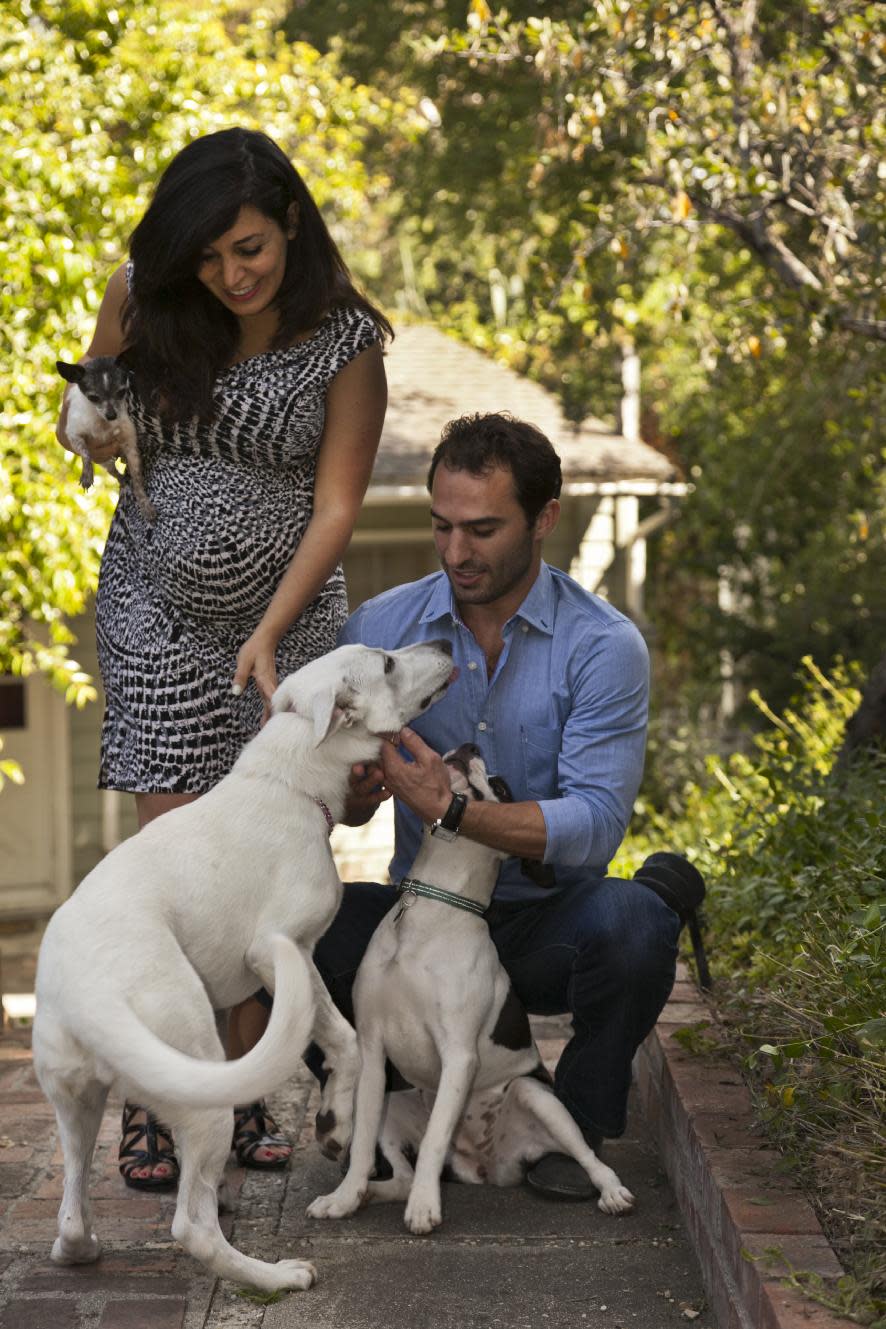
column 409, row 886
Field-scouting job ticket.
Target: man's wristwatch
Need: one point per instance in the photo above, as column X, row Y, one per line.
column 446, row 827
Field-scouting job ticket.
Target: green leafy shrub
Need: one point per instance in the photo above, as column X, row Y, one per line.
column 793, row 849
column 97, row 100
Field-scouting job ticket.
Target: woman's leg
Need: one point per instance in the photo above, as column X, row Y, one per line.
column 147, row 807
column 246, row 1022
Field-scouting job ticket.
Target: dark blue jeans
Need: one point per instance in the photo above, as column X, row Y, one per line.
column 604, row 953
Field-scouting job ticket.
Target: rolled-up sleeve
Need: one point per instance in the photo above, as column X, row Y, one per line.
column 600, row 765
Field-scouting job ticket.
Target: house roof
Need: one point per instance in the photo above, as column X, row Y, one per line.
column 432, row 379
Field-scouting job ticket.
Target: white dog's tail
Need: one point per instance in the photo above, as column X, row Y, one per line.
column 164, row 1073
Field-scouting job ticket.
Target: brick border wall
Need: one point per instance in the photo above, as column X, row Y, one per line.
column 734, row 1199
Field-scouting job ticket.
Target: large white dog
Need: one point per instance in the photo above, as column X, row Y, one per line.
column 189, row 917
column 431, row 994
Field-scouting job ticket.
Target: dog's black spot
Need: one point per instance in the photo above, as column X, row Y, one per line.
column 381, row 1167
column 512, row 1026
column 541, row 1072
column 409, row 1153
column 324, row 1123
column 425, row 703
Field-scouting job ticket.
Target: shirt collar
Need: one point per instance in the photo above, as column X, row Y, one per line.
column 537, row 609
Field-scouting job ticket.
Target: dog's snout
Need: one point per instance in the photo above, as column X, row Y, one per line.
column 110, row 413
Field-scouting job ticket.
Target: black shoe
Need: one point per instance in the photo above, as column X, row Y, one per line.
column 559, row 1177
column 674, row 880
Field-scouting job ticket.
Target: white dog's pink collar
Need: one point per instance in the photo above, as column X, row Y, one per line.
column 330, row 822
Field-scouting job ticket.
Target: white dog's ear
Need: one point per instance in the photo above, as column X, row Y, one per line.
column 332, row 711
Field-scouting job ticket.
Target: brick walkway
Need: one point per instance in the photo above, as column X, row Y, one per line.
column 648, row 1271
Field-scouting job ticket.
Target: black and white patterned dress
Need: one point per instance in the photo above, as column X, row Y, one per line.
column 177, row 599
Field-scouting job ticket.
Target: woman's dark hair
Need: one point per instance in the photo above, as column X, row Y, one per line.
column 178, row 335
column 479, row 443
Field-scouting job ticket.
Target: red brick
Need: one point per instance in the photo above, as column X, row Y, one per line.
column 15, row 1179
column 747, row 1167
column 807, row 1252
column 137, row 1272
column 168, row 1313
column 785, row 1308
column 684, row 1013
column 16, row 1154
column 762, row 1209
column 42, row 1313
column 723, row 1130
column 701, row 1090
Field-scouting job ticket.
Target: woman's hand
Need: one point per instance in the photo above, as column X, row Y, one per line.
column 257, row 659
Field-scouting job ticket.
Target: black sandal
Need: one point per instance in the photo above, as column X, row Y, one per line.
column 263, row 1135
column 130, row 1156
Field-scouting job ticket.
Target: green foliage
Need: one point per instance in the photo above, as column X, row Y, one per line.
column 703, row 179
column 793, row 852
column 97, row 100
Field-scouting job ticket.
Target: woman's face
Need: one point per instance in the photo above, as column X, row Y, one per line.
column 244, row 267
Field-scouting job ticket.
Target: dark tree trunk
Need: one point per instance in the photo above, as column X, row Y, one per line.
column 867, row 727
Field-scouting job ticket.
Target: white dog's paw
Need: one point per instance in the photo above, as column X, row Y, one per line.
column 339, row 1204
column 423, row 1213
column 616, row 1200
column 298, row 1275
column 85, row 1250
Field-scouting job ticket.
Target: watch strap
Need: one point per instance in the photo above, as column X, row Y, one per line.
column 451, row 819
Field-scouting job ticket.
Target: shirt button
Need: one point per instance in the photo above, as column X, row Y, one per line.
column 524, row 627
column 472, row 664
column 482, row 726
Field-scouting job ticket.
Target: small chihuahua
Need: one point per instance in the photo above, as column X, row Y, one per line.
column 97, row 410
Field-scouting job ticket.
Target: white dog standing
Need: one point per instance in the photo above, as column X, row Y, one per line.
column 431, row 994
column 191, row 916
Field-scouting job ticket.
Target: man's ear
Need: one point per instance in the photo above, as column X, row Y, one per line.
column 332, row 711
column 547, row 519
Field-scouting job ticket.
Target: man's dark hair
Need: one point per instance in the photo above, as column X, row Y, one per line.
column 480, row 443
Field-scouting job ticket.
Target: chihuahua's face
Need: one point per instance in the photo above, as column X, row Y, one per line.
column 102, row 382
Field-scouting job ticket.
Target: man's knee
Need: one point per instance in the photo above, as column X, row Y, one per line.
column 631, row 933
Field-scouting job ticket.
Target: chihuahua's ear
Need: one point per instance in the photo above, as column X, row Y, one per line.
column 73, row 373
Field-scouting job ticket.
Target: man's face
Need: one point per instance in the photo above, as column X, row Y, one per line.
column 483, row 542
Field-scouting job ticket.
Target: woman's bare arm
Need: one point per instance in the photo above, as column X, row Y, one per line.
column 355, row 411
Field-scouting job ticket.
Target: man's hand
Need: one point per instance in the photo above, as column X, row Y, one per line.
column 423, row 783
column 365, row 793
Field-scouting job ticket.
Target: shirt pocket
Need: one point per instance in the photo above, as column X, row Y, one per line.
column 541, row 752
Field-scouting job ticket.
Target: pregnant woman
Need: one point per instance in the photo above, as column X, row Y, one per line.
column 258, row 394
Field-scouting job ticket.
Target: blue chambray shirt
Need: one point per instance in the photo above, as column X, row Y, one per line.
column 563, row 718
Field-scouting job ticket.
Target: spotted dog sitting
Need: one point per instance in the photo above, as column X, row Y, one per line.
column 432, row 996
